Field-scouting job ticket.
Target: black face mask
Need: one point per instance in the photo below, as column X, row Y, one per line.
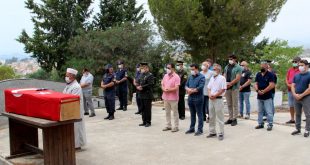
column 263, row 70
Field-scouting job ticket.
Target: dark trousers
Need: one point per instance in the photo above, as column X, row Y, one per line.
column 205, row 108
column 138, row 100
column 109, row 102
column 181, row 106
column 146, row 110
column 195, row 108
column 122, row 96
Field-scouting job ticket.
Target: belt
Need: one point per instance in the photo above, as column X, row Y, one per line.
column 219, row 97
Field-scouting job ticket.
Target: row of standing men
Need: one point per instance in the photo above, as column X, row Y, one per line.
column 236, row 84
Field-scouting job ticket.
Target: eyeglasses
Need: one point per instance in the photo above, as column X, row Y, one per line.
column 241, row 65
column 168, row 68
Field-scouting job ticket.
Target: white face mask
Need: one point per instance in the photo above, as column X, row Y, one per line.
column 301, row 68
column 67, row 79
column 138, row 69
column 193, row 72
column 216, row 74
column 178, row 67
column 203, row 67
column 231, row 62
column 168, row 71
column 142, row 70
column 120, row 66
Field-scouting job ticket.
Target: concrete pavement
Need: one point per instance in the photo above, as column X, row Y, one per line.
column 123, row 142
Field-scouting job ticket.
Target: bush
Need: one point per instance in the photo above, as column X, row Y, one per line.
column 6, row 72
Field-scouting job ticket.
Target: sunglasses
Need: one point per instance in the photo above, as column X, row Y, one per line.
column 295, row 62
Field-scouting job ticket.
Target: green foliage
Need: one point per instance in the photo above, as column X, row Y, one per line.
column 55, row 23
column 213, row 29
column 281, row 56
column 44, row 75
column 125, row 42
column 6, row 72
column 116, row 12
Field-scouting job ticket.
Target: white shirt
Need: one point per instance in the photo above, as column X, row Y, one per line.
column 216, row 84
column 87, row 79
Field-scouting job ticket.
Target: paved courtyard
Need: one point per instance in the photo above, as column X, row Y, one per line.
column 123, row 142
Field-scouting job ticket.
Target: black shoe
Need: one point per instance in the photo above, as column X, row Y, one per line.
column 290, row 122
column 198, row 133
column 182, row 118
column 111, row 117
column 137, row 113
column 142, row 124
column 211, row 135
column 86, row 113
column 306, row 134
column 259, row 126
column 106, row 118
column 304, row 120
column 125, row 109
column 221, row 137
column 264, row 119
column 120, row 108
column 228, row 122
column 147, row 124
column 269, row 128
column 92, row 115
column 189, row 131
column 295, row 132
column 234, row 122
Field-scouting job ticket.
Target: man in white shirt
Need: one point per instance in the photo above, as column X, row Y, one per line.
column 74, row 88
column 87, row 89
column 216, row 90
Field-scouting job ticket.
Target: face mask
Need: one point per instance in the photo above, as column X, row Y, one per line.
column 178, row 67
column 120, row 66
column 67, row 79
column 263, row 70
column 142, row 70
column 168, row 71
column 295, row 64
column 193, row 72
column 203, row 67
column 231, row 62
column 138, row 69
column 301, row 68
column 216, row 74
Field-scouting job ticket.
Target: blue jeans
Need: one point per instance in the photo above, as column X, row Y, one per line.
column 244, row 97
column 265, row 106
column 196, row 107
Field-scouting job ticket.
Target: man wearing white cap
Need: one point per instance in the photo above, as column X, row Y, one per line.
column 73, row 87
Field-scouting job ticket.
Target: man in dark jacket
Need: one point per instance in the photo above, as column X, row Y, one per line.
column 183, row 76
column 145, row 88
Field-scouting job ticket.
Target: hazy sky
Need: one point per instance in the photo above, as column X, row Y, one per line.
column 292, row 24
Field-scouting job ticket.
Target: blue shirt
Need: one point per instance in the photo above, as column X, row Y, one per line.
column 263, row 82
column 120, row 74
column 198, row 82
column 301, row 82
column 108, row 78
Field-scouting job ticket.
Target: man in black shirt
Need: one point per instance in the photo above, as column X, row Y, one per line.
column 245, row 90
column 265, row 82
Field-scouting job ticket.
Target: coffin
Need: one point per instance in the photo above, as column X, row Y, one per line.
column 42, row 103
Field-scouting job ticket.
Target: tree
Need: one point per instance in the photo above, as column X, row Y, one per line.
column 125, row 42
column 6, row 72
column 116, row 12
column 55, row 23
column 213, row 28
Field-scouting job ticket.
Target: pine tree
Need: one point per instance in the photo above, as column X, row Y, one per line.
column 55, row 23
column 116, row 12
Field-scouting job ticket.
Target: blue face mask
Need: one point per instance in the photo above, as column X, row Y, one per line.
column 295, row 64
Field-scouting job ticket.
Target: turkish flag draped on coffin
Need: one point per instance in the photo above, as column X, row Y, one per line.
column 46, row 104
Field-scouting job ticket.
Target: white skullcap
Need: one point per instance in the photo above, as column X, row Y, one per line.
column 72, row 71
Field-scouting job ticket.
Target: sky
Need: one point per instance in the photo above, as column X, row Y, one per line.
column 292, row 25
